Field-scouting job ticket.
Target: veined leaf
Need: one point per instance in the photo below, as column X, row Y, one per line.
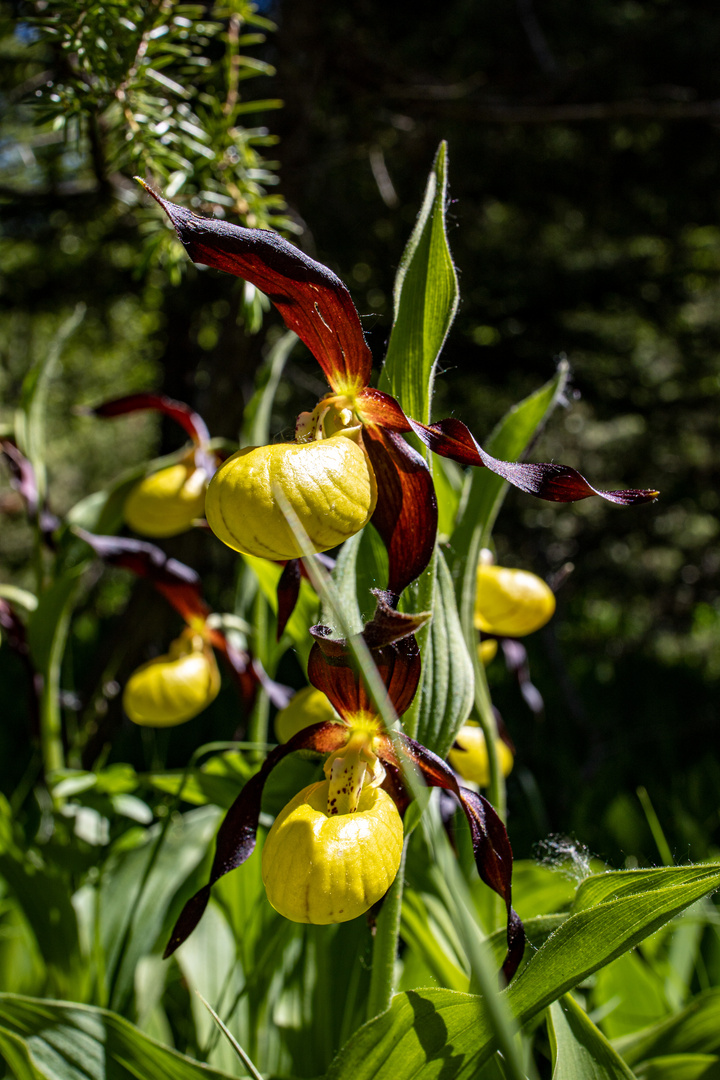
column 428, row 1034
column 448, row 681
column 426, row 298
column 579, row 1049
column 56, row 1040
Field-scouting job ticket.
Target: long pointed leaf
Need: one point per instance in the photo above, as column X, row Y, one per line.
column 426, row 299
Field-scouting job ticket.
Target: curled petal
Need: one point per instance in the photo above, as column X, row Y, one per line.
column 406, row 512
column 491, row 845
column 331, row 668
column 191, row 422
column 236, row 837
column 451, row 438
column 311, row 299
column 554, row 483
column 178, row 583
column 288, row 591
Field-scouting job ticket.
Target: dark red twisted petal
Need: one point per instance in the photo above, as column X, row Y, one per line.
column 178, row 583
column 311, row 299
column 451, row 438
column 491, row 844
column 237, row 835
column 22, row 476
column 191, row 422
column 331, row 668
column 288, row 591
column 406, row 512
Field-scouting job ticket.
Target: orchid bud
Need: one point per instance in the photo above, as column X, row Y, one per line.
column 321, row 868
column 469, row 755
column 511, row 603
column 308, row 706
column 328, row 483
column 175, row 687
column 167, row 502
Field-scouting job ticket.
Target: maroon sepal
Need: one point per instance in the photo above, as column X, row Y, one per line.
column 178, row 583
column 406, row 513
column 311, row 299
column 451, row 438
column 191, row 422
column 236, row 837
column 554, row 483
column 491, row 845
column 22, row 476
column 24, row 481
column 288, row 591
column 331, row 668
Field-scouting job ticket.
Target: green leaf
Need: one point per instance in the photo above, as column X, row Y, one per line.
column 44, row 898
column 428, row 1034
column 696, row 1028
column 30, row 419
column 448, row 680
column 426, row 299
column 138, row 892
column 629, row 994
column 614, row 884
column 55, row 1040
column 256, row 420
column 345, row 577
column 47, row 633
column 579, row 1049
column 681, row 1067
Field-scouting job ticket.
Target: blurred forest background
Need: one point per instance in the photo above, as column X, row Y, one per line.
column 585, row 222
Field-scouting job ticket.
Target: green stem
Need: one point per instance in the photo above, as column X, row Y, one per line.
column 385, row 946
column 483, row 702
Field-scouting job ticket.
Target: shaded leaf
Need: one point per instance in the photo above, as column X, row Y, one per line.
column 54, row 1040
column 579, row 1049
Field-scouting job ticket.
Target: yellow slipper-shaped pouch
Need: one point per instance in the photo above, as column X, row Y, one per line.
column 511, row 602
column 172, row 688
column 166, row 502
column 329, row 483
column 469, row 756
column 322, row 868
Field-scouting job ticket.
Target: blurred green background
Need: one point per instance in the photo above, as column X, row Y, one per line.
column 584, row 222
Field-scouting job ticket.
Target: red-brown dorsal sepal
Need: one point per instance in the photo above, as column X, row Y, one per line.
column 491, row 844
column 178, row 583
column 311, row 299
column 331, row 668
column 236, row 836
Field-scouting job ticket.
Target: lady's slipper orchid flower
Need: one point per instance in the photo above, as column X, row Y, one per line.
column 347, row 827
column 173, row 688
column 167, row 502
column 317, row 306
column 159, row 692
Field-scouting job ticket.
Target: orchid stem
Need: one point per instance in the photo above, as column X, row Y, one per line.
column 422, row 598
column 385, row 946
column 483, row 701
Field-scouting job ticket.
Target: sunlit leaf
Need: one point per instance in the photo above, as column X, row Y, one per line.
column 426, row 299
